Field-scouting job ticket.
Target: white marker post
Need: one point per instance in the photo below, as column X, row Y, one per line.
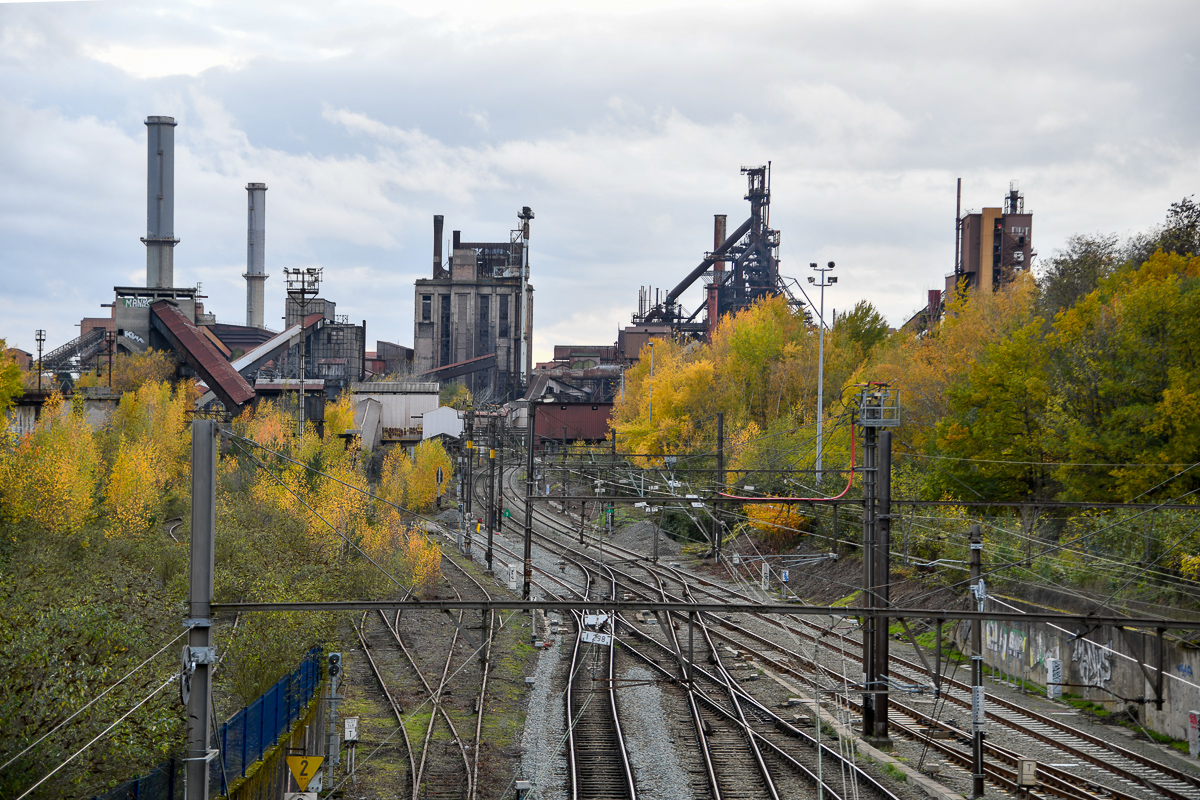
column 351, row 739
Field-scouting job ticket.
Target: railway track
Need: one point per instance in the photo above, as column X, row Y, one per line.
column 737, row 735
column 445, row 767
column 1132, row 775
column 597, row 758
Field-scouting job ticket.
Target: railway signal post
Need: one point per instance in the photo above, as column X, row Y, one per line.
column 883, row 579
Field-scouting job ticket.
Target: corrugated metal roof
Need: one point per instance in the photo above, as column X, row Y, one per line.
column 396, row 387
column 286, row 384
column 201, row 355
column 586, row 420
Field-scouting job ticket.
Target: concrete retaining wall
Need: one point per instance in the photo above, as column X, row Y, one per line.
column 1099, row 666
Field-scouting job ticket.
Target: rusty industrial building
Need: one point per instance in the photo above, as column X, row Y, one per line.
column 742, row 268
column 991, row 247
column 473, row 319
column 994, row 245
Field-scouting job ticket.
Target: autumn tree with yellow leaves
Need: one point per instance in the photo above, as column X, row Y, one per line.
column 95, row 568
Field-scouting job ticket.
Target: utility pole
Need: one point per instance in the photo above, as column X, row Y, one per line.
column 876, row 410
column 500, row 474
column 470, row 459
column 869, row 564
column 491, row 502
column 717, row 531
column 40, row 335
column 821, row 366
column 199, row 654
column 883, row 536
column 524, row 317
column 977, row 707
column 530, row 438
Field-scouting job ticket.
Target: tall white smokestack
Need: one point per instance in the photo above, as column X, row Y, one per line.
column 160, row 238
column 256, row 239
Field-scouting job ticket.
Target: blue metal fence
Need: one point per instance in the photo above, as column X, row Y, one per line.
column 242, row 740
column 255, row 729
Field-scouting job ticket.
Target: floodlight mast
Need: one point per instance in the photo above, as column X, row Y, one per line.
column 824, row 281
column 301, row 285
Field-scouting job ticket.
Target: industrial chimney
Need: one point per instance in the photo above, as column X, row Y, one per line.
column 437, row 245
column 160, row 238
column 256, row 239
column 720, row 222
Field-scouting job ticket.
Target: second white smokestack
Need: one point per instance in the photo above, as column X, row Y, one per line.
column 256, row 239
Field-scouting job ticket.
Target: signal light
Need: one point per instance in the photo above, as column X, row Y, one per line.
column 335, row 664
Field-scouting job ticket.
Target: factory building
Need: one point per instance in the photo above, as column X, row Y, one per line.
column 473, row 320
column 334, row 349
column 993, row 245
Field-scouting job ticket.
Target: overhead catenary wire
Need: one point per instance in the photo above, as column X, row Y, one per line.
column 99, row 736
column 1116, row 564
column 92, row 702
column 1072, row 546
column 407, row 590
column 1046, row 463
column 1058, row 547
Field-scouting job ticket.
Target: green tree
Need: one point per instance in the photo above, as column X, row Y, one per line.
column 1179, row 233
column 1076, row 271
column 997, row 423
column 1127, row 375
column 864, row 326
column 456, row 395
column 10, row 380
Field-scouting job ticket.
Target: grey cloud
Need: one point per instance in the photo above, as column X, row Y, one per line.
column 623, row 128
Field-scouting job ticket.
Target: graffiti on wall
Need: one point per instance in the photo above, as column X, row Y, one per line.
column 1032, row 648
column 1001, row 638
column 1094, row 662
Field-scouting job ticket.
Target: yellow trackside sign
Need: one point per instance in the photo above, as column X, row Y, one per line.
column 303, row 768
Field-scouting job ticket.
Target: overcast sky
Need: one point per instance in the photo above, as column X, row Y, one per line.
column 622, row 124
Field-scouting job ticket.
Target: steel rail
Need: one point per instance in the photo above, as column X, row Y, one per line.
column 412, row 766
column 1116, row 770
column 612, row 698
column 1051, row 722
column 1083, row 735
column 569, row 700
column 697, row 722
column 485, row 668
column 434, row 698
column 1058, row 782
column 777, row 721
column 1145, row 761
column 737, row 707
column 730, row 686
column 739, row 718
